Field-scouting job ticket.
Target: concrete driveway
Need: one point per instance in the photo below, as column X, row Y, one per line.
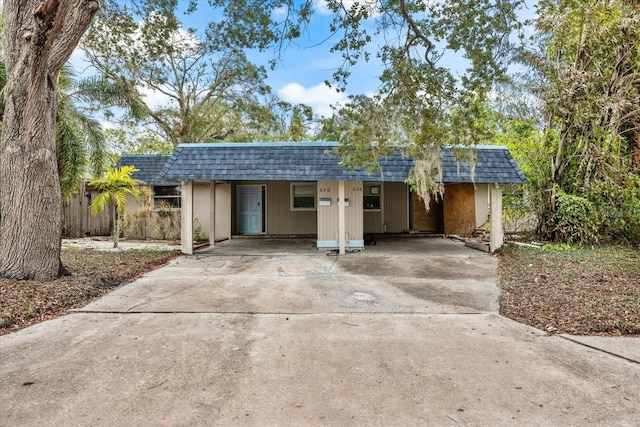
column 262, row 333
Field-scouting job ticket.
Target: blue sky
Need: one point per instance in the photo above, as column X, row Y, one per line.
column 307, row 63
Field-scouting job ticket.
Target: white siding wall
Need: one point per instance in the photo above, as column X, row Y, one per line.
column 328, row 226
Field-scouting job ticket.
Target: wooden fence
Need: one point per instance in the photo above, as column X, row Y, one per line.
column 78, row 220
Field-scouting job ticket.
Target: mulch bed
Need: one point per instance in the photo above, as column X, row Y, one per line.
column 574, row 290
column 93, row 274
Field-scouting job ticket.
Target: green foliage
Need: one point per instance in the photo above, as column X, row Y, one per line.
column 584, row 65
column 517, row 212
column 298, row 128
column 81, row 140
column 575, row 219
column 130, row 140
column 271, row 120
column 422, row 105
column 202, row 85
column 618, row 209
column 113, row 190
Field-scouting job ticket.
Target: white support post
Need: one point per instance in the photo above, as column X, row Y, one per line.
column 212, row 213
column 342, row 240
column 497, row 232
column 186, row 213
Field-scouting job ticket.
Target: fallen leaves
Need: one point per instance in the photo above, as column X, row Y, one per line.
column 580, row 290
column 93, row 274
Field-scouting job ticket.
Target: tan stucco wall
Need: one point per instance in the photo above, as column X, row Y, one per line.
column 201, row 207
column 482, row 204
column 463, row 209
column 223, row 211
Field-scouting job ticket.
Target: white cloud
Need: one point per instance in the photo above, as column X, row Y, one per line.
column 373, row 6
column 320, row 97
column 280, row 12
column 154, row 98
column 321, row 7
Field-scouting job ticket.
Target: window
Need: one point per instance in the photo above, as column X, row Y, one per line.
column 303, row 196
column 168, row 194
column 371, row 196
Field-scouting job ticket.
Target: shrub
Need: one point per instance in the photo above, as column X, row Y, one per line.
column 618, row 209
column 575, row 219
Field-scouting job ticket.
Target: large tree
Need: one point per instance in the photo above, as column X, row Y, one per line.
column 38, row 38
column 81, row 142
column 151, row 57
column 440, row 61
column 410, row 38
column 585, row 69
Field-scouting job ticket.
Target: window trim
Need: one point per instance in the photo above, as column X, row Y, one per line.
column 366, row 192
column 177, row 197
column 292, row 195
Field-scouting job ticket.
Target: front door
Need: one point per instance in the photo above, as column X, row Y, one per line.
column 249, row 209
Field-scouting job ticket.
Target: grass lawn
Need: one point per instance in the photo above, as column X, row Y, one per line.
column 575, row 290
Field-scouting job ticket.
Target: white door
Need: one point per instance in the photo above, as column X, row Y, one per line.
column 249, row 209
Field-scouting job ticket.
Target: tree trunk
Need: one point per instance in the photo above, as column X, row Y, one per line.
column 116, row 226
column 38, row 40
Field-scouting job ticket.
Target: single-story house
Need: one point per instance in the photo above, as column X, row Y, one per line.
column 300, row 189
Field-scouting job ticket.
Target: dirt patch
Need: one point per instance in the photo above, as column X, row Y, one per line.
column 582, row 291
column 93, row 274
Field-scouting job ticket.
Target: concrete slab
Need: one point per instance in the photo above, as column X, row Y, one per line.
column 626, row 347
column 319, row 369
column 408, row 335
column 386, row 246
column 314, row 283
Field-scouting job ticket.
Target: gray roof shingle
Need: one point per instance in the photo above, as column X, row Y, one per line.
column 149, row 165
column 313, row 161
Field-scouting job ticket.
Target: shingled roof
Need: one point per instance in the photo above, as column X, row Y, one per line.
column 149, row 167
column 315, row 161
